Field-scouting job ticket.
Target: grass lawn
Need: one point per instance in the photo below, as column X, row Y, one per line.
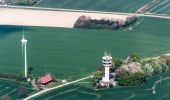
column 99, row 5
column 75, row 53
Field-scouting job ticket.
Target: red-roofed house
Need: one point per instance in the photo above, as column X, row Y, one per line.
column 46, row 79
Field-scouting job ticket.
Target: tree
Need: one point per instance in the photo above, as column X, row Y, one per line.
column 22, row 91
column 165, row 59
column 132, row 79
column 148, row 69
column 30, row 69
column 117, row 63
column 97, row 76
column 164, row 66
column 121, row 72
column 157, row 67
column 135, row 57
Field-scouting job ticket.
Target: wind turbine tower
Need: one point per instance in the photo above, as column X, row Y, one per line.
column 24, row 45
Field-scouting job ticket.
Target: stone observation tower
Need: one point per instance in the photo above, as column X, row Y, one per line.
column 107, row 63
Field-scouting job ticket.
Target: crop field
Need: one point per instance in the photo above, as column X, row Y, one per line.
column 99, row 5
column 162, row 7
column 143, row 92
column 10, row 88
column 75, row 53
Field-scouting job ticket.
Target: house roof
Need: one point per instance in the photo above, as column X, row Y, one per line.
column 46, row 79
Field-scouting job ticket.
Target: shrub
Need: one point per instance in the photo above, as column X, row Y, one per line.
column 148, row 69
column 135, row 57
column 97, row 76
column 132, row 79
column 164, row 66
column 22, row 92
column 157, row 67
column 117, row 63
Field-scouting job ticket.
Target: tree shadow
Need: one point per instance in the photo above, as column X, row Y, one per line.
column 30, row 70
column 5, row 29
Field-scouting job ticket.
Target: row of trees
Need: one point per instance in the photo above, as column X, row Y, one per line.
column 17, row 77
column 156, row 66
column 150, row 67
column 87, row 22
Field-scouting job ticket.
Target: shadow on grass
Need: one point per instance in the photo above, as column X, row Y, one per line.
column 5, row 29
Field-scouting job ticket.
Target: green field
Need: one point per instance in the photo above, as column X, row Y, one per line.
column 161, row 7
column 10, row 88
column 75, row 53
column 144, row 92
column 99, row 5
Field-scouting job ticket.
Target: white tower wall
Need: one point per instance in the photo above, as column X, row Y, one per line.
column 107, row 63
column 106, row 76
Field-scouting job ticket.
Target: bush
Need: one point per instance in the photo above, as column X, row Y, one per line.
column 164, row 66
column 157, row 67
column 135, row 57
column 148, row 69
column 121, row 72
column 22, row 92
column 132, row 79
column 117, row 63
column 97, row 76
column 165, row 59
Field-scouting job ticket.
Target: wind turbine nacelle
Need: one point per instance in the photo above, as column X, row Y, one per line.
column 24, row 41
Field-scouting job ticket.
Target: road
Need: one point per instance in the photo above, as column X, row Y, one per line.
column 49, row 89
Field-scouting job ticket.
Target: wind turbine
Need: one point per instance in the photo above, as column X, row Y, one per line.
column 24, row 45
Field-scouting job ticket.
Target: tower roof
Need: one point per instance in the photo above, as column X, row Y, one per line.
column 107, row 56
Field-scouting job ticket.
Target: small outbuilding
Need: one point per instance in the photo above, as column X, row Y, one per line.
column 46, row 79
